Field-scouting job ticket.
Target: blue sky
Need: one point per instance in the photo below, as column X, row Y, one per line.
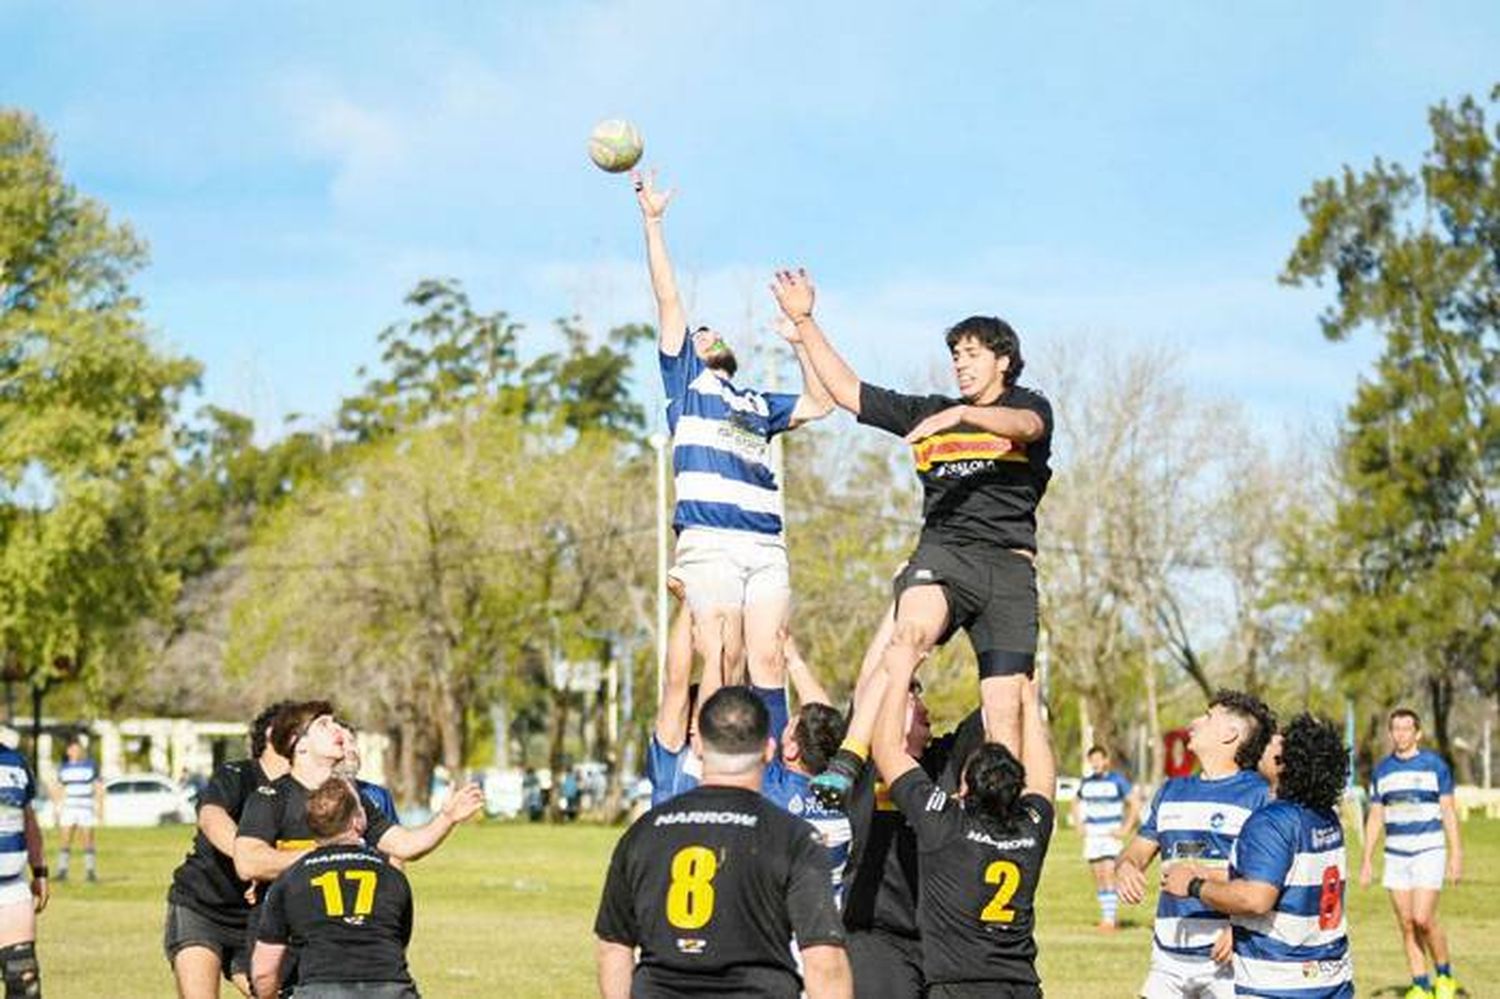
column 1095, row 173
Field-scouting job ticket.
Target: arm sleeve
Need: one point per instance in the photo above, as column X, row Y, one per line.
column 779, row 406
column 679, row 369
column 1123, row 783
column 893, row 411
column 259, row 819
column 273, row 923
column 930, row 811
column 1263, row 852
column 377, row 822
column 226, row 788
column 1040, row 813
column 1148, row 821
column 809, row 895
column 615, row 921
column 1037, row 403
column 1444, row 776
column 406, row 912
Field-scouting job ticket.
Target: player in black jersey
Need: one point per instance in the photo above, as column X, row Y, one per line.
column 206, row 905
column 980, row 852
column 342, row 909
column 713, row 885
column 982, row 458
column 273, row 831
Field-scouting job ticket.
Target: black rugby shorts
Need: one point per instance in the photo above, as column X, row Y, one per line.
column 991, row 595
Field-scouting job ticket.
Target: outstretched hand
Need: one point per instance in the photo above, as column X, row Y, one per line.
column 795, row 293
column 464, row 803
column 653, row 202
column 936, row 424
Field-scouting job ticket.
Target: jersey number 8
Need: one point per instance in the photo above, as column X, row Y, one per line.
column 1006, row 876
column 690, row 899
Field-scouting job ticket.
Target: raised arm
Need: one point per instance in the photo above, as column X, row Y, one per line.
column 806, row 684
column 413, row 844
column 815, row 402
column 1036, row 743
column 888, row 745
column 795, row 294
column 671, row 319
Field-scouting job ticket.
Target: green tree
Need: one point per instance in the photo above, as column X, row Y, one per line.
column 86, row 409
column 1408, row 596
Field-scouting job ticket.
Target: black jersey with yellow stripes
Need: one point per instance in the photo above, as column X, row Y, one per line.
column 977, row 487
column 712, row 886
column 276, row 813
column 978, row 884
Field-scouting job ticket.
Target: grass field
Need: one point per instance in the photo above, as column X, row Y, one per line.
column 506, row 910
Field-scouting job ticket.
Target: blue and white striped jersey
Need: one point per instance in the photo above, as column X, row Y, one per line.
column 17, row 788
column 1103, row 797
column 1300, row 949
column 721, row 447
column 792, row 791
column 1197, row 819
column 1409, row 790
column 78, row 780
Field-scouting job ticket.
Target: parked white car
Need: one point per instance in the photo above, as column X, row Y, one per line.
column 146, row 799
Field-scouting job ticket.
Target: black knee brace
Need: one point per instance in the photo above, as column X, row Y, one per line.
column 23, row 977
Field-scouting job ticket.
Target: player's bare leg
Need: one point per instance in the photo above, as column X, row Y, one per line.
column 18, row 947
column 1424, row 903
column 1000, row 699
column 921, row 617
column 197, row 970
column 1416, row 956
column 765, row 630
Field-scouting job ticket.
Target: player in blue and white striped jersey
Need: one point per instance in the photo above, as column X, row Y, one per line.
column 1105, row 808
column 1287, row 876
column 731, row 552
column 1193, row 822
column 82, row 802
column 1411, row 802
column 20, row 901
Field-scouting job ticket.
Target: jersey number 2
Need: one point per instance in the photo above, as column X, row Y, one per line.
column 690, row 899
column 1006, row 876
column 333, row 892
column 1331, row 899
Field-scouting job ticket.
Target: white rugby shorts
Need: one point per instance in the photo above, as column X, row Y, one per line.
column 731, row 568
column 1173, row 976
column 81, row 816
column 1100, row 848
column 1424, row 870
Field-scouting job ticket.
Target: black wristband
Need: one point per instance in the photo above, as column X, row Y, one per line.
column 38, row 870
column 1195, row 888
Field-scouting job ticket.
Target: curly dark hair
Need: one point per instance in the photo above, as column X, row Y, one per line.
column 1314, row 763
column 260, row 727
column 291, row 724
column 820, row 729
column 1260, row 721
column 993, row 333
column 995, row 780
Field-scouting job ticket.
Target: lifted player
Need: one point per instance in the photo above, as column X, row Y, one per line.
column 1192, row 822
column 712, row 886
column 20, row 902
column 1287, row 874
column 731, row 553
column 1105, row 809
column 980, row 852
column 982, row 460
column 1411, row 802
column 343, row 909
